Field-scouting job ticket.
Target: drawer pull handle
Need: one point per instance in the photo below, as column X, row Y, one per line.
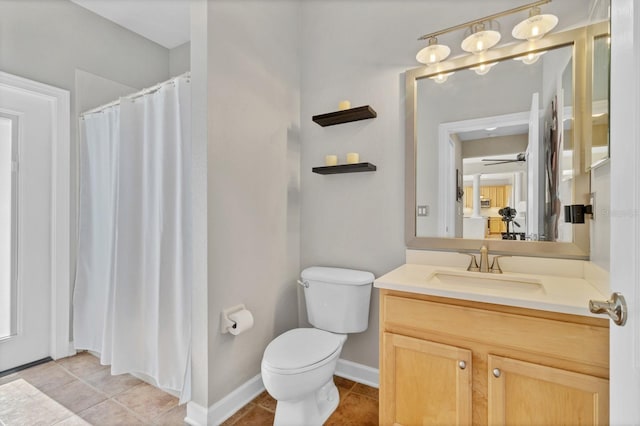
column 462, row 365
column 496, row 372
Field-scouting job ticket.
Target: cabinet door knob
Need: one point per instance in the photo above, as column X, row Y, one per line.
column 496, row 372
column 462, row 365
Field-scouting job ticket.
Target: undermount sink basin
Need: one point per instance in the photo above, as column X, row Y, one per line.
column 479, row 281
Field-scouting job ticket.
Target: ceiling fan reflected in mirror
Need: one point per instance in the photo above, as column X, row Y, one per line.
column 520, row 157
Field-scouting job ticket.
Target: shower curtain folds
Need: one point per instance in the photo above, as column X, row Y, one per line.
column 132, row 297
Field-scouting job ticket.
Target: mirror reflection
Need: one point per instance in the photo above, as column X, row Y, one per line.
column 600, row 104
column 494, row 157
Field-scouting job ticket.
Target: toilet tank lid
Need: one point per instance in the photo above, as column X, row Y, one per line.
column 337, row 275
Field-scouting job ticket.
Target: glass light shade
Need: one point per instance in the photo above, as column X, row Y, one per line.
column 530, row 58
column 441, row 78
column 534, row 27
column 482, row 69
column 480, row 41
column 433, row 54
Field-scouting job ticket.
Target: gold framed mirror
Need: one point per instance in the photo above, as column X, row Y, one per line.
column 437, row 175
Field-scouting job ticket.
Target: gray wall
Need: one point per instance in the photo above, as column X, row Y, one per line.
column 47, row 41
column 253, row 179
column 359, row 51
column 179, row 59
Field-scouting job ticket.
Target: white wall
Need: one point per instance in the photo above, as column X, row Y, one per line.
column 47, row 41
column 253, row 179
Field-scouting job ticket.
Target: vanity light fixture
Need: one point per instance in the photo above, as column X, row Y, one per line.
column 441, row 77
column 483, row 34
column 535, row 26
column 530, row 58
column 482, row 69
column 480, row 39
column 433, row 53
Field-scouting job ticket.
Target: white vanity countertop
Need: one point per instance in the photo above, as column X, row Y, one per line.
column 569, row 295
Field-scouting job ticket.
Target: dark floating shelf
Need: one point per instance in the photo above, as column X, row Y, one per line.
column 345, row 116
column 345, row 168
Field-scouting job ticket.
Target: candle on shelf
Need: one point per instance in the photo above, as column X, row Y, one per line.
column 330, row 160
column 342, row 105
column 353, row 158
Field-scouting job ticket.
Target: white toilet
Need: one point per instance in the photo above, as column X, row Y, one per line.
column 298, row 365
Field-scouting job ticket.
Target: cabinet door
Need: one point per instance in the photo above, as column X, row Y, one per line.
column 494, row 225
column 500, row 202
column 532, row 394
column 424, row 383
column 493, row 196
column 468, row 197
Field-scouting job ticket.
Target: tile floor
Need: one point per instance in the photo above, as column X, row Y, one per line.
column 358, row 407
column 79, row 391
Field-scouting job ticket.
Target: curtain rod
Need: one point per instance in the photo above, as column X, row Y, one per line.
column 135, row 95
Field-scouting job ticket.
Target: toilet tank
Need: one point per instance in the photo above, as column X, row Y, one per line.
column 337, row 299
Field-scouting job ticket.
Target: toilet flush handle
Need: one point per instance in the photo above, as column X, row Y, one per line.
column 304, row 284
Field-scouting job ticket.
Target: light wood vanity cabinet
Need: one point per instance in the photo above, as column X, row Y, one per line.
column 447, row 361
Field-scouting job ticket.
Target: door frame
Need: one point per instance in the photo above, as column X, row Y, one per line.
column 58, row 99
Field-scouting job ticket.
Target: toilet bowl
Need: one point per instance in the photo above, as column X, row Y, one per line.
column 298, row 366
column 297, row 371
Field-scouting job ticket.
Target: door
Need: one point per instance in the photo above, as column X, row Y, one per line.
column 424, row 383
column 31, row 262
column 8, row 224
column 625, row 210
column 522, row 393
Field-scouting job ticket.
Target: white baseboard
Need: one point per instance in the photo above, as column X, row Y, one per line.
column 198, row 415
column 358, row 373
column 227, row 406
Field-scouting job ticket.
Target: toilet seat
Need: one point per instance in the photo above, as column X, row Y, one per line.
column 300, row 350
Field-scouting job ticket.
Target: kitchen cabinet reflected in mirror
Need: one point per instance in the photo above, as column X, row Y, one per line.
column 509, row 132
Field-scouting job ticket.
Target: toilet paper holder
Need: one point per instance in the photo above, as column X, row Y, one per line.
column 225, row 322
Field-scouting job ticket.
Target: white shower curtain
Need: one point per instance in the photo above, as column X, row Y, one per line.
column 132, row 297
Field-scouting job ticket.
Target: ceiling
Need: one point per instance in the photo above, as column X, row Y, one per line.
column 166, row 22
column 493, row 132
